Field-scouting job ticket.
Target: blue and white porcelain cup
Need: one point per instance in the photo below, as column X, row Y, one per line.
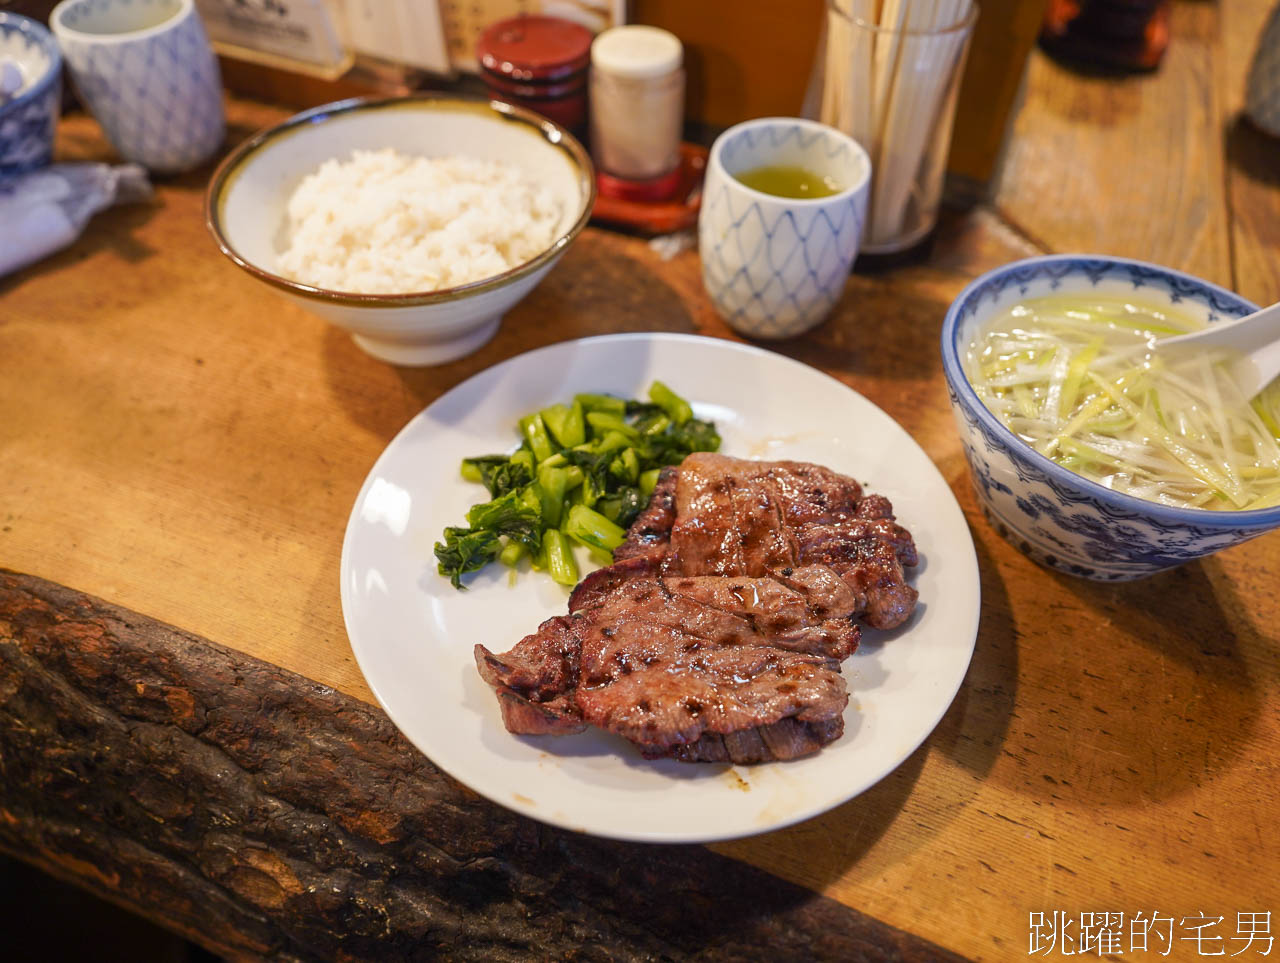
column 29, row 117
column 776, row 266
column 145, row 70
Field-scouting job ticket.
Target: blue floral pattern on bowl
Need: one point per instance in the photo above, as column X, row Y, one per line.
column 776, row 266
column 1055, row 516
column 28, row 122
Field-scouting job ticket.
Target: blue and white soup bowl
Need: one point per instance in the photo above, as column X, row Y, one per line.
column 775, row 266
column 28, row 114
column 1059, row 518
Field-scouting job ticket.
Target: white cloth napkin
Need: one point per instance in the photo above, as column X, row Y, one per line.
column 45, row 210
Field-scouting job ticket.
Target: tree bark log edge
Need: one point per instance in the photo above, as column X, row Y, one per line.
column 265, row 816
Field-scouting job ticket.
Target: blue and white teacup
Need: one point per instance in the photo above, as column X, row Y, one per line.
column 145, row 69
column 776, row 266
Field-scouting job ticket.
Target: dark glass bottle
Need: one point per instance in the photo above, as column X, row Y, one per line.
column 1116, row 34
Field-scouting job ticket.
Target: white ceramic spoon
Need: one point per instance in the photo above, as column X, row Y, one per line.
column 1255, row 336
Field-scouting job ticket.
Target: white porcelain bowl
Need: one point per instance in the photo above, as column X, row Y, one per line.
column 246, row 211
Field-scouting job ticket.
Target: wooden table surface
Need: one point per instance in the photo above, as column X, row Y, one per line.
column 177, row 440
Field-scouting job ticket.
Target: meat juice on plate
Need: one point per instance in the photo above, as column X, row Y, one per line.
column 1074, row 376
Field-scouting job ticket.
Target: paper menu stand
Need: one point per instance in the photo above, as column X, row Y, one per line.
column 297, row 35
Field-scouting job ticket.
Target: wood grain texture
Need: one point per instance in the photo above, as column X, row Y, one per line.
column 265, row 816
column 1125, row 165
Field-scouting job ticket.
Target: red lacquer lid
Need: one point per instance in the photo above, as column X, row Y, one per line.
column 534, row 48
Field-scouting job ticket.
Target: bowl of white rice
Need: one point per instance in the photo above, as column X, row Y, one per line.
column 413, row 222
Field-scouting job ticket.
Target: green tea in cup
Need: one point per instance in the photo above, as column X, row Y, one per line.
column 788, row 180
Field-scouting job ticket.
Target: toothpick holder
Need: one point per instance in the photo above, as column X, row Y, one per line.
column 891, row 74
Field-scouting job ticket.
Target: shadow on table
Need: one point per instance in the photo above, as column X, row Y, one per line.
column 56, row 922
column 885, row 328
column 1252, row 152
column 584, row 295
column 971, row 733
column 1179, row 705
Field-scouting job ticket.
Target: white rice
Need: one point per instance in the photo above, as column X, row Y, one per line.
column 387, row 223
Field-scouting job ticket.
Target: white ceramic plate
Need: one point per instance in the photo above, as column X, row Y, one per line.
column 413, row 633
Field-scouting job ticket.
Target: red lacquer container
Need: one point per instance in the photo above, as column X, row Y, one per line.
column 540, row 63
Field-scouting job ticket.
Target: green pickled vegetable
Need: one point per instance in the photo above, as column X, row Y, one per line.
column 649, row 481
column 676, row 407
column 608, row 403
column 560, row 564
column 536, row 437
column 551, row 485
column 582, row 473
column 566, row 423
column 593, row 529
column 472, row 548
column 498, row 473
column 511, row 554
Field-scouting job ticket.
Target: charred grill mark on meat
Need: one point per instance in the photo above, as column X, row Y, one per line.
column 820, row 517
column 718, row 632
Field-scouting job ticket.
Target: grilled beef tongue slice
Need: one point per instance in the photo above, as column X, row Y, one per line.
column 782, row 615
column 807, row 611
column 736, row 517
column 662, row 670
column 717, row 633
column 786, row 739
column 536, row 679
column 600, row 584
column 867, row 556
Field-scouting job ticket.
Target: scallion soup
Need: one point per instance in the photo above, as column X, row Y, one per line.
column 1074, row 377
